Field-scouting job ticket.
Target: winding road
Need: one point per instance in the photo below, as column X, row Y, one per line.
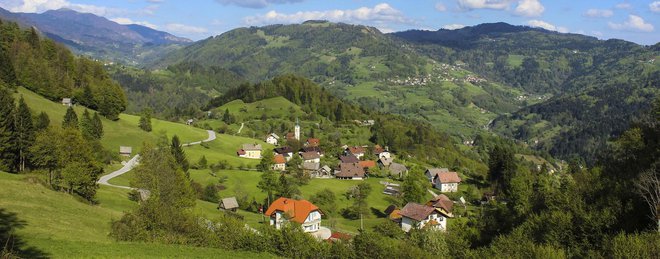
column 134, row 162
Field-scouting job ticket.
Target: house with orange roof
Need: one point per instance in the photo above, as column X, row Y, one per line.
column 303, row 212
column 312, row 142
column 279, row 162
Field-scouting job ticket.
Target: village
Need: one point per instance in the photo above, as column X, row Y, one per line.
column 350, row 165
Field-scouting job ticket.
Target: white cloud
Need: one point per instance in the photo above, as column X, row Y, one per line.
column 599, row 13
column 257, row 4
column 547, row 26
column 440, row 7
column 529, row 8
column 634, row 23
column 123, row 20
column 380, row 15
column 484, row 4
column 623, row 6
column 38, row 6
column 655, row 6
column 454, row 26
column 184, row 29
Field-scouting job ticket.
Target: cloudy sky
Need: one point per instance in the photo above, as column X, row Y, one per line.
column 637, row 21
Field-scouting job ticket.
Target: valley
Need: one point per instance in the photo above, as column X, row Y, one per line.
column 324, row 139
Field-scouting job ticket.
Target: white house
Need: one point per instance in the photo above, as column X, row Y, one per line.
column 279, row 163
column 67, row 101
column 252, row 151
column 415, row 215
column 447, row 181
column 357, row 151
column 432, row 172
column 303, row 212
column 272, row 139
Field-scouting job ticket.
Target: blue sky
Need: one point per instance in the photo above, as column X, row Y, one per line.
column 637, row 21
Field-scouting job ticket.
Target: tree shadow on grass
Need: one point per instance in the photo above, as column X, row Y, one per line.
column 11, row 245
column 377, row 212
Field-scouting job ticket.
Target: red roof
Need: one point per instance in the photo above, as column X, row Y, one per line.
column 313, row 142
column 356, row 150
column 416, row 211
column 368, row 164
column 297, row 209
column 441, row 201
column 448, row 177
column 339, row 235
column 240, row 152
column 279, row 159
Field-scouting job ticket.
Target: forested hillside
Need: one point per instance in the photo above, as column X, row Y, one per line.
column 97, row 36
column 179, row 91
column 359, row 64
column 589, row 89
column 51, row 70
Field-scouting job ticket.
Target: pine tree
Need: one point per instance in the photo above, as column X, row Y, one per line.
column 97, row 126
column 145, row 120
column 179, row 154
column 86, row 127
column 8, row 136
column 227, row 117
column 70, row 119
column 87, row 98
column 41, row 122
column 25, row 132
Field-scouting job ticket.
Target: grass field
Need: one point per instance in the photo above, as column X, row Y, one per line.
column 62, row 227
column 124, row 132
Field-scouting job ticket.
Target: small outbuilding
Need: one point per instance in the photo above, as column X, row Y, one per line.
column 230, row 204
column 125, row 151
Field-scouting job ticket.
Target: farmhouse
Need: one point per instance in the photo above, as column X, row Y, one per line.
column 67, row 101
column 323, row 172
column 303, row 212
column 398, row 170
column 357, row 151
column 384, row 162
column 279, row 163
column 287, row 152
column 442, row 203
column 349, row 159
column 415, row 215
column 125, row 151
column 252, row 151
column 272, row 139
column 311, row 157
column 447, row 181
column 312, row 149
column 432, row 172
column 381, row 152
column 310, row 167
column 350, row 171
column 229, row 204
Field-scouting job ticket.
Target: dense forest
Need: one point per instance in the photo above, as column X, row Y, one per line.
column 51, row 70
column 180, row 90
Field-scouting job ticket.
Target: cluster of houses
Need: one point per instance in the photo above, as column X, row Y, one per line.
column 433, row 214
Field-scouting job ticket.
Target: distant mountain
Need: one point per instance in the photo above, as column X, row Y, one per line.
column 360, row 64
column 585, row 91
column 97, row 36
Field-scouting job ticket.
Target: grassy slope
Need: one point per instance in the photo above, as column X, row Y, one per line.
column 123, row 132
column 63, row 227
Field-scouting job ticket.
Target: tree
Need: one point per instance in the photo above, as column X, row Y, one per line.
column 145, row 120
column 45, row 152
column 86, row 125
column 97, row 126
column 41, row 122
column 70, row 119
column 414, row 187
column 269, row 184
column 648, row 186
column 266, row 163
column 325, row 199
column 287, row 188
column 24, row 131
column 8, row 136
column 202, row 163
column 111, row 101
column 227, row 117
column 179, row 155
column 501, row 165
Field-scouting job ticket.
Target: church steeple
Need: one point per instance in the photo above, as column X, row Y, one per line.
column 297, row 130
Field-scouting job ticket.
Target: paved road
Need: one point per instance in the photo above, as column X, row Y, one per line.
column 134, row 162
